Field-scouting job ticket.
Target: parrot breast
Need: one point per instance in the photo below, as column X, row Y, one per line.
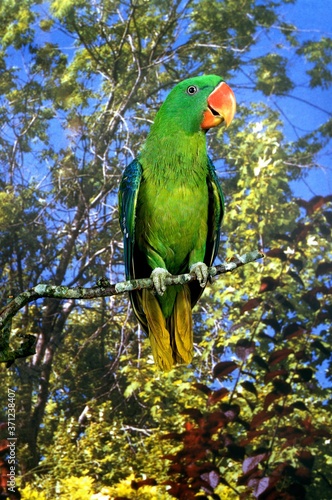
column 173, row 223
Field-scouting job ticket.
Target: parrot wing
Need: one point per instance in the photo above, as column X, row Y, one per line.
column 216, row 212
column 128, row 193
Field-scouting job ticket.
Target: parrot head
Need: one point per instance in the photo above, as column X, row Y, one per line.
column 198, row 103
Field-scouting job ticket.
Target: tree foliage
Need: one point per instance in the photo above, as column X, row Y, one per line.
column 250, row 418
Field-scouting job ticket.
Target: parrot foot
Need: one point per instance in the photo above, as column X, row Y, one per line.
column 158, row 276
column 200, row 270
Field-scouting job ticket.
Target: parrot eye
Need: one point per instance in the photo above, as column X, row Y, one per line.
column 192, row 89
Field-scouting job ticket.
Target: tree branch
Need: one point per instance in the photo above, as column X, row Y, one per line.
column 103, row 288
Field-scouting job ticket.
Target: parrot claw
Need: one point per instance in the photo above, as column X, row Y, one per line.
column 200, row 270
column 158, row 276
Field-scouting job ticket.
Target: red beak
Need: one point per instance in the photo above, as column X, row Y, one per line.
column 221, row 107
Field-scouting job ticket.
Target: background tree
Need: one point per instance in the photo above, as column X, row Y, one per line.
column 80, row 84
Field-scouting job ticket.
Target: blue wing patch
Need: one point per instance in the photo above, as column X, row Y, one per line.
column 216, row 210
column 128, row 192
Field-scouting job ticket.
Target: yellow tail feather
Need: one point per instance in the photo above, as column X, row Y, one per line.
column 171, row 343
column 158, row 334
column 183, row 327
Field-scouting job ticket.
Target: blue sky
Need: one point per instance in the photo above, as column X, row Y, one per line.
column 314, row 20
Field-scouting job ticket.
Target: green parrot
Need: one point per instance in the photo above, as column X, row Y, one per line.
column 171, row 206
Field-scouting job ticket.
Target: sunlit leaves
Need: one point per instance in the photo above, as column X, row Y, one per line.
column 271, row 75
column 319, row 54
column 16, row 23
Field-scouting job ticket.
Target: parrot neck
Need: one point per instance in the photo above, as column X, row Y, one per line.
column 174, row 156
